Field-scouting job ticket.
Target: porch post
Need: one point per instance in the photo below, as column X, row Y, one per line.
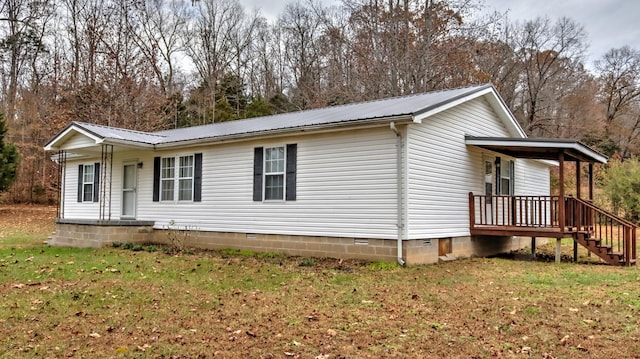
column 578, row 183
column 590, row 223
column 62, row 182
column 561, row 213
column 591, row 181
column 533, row 247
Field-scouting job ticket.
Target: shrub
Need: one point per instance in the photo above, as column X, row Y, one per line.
column 621, row 187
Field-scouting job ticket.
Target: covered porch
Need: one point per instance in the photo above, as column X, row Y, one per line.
column 558, row 216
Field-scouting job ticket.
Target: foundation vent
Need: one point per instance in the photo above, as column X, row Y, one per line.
column 251, row 236
column 426, row 243
column 361, row 242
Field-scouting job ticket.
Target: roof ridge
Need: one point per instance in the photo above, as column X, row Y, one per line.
column 399, row 97
column 80, row 123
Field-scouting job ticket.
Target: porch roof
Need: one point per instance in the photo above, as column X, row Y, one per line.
column 538, row 148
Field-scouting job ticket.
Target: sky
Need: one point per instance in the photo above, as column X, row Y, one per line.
column 608, row 23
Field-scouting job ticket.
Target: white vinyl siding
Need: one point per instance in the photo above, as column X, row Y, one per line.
column 532, row 178
column 73, row 208
column 345, row 188
column 442, row 170
column 78, row 141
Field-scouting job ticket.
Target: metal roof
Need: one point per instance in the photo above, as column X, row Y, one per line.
column 386, row 110
column 404, row 106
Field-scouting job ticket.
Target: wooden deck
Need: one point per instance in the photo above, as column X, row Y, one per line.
column 608, row 236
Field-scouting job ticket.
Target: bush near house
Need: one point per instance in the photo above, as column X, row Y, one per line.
column 621, row 187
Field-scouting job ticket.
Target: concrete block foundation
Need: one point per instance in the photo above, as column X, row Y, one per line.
column 87, row 233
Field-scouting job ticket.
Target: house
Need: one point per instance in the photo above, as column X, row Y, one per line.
column 392, row 179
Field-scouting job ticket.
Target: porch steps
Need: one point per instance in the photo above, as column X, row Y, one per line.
column 604, row 251
column 447, row 258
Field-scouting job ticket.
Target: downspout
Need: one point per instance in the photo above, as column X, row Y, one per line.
column 399, row 205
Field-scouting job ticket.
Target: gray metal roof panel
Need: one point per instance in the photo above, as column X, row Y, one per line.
column 391, row 107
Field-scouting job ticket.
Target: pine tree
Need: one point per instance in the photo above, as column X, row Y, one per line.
column 8, row 159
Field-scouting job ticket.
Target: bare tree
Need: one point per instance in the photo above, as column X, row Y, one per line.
column 547, row 51
column 158, row 31
column 619, row 71
column 300, row 28
column 209, row 45
column 24, row 23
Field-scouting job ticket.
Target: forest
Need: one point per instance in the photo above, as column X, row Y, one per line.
column 157, row 64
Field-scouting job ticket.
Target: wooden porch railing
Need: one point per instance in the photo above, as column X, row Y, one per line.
column 518, row 211
column 538, row 215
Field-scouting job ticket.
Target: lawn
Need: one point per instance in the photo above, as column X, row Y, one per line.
column 115, row 302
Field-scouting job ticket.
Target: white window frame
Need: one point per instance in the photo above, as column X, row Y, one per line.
column 88, row 180
column 181, row 178
column 270, row 174
column 167, row 178
column 505, row 174
column 186, row 171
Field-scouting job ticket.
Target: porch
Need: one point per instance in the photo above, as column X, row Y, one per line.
column 561, row 216
column 611, row 238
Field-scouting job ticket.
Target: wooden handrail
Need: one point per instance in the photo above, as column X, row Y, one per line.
column 626, row 229
column 602, row 211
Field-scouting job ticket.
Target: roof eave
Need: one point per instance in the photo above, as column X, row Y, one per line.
column 560, row 144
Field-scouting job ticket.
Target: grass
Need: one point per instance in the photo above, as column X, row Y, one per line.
column 112, row 302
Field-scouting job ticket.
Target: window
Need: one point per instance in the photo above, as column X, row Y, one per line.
column 488, row 180
column 506, row 178
column 88, row 182
column 167, row 178
column 185, row 179
column 274, row 173
column 178, row 177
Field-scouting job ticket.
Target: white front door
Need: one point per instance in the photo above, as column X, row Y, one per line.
column 129, row 190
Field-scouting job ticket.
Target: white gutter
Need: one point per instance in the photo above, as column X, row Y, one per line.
column 399, row 205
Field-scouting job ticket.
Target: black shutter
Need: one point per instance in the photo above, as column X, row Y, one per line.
column 96, row 182
column 156, row 179
column 197, row 178
column 292, row 162
column 257, row 173
column 80, row 179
